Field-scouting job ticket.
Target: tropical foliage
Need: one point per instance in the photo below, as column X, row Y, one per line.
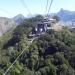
column 52, row 53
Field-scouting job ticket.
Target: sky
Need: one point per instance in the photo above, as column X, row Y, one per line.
column 11, row 8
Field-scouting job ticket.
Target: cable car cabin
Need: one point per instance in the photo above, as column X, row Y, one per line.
column 42, row 27
column 39, row 29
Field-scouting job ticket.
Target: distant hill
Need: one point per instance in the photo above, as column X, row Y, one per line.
column 6, row 24
column 65, row 15
column 19, row 18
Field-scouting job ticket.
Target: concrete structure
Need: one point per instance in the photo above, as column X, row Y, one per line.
column 42, row 27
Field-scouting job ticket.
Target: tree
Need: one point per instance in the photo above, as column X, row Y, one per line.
column 52, row 68
column 23, row 42
column 16, row 69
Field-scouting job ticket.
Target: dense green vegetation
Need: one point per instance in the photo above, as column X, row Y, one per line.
column 53, row 53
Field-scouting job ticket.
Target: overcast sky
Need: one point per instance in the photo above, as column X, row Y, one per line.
column 10, row 8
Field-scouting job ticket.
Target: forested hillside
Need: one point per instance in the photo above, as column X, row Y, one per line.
column 52, row 53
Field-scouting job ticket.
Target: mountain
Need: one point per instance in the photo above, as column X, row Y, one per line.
column 19, row 18
column 65, row 15
column 6, row 24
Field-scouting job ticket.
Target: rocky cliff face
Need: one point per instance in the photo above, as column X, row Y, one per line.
column 6, row 24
